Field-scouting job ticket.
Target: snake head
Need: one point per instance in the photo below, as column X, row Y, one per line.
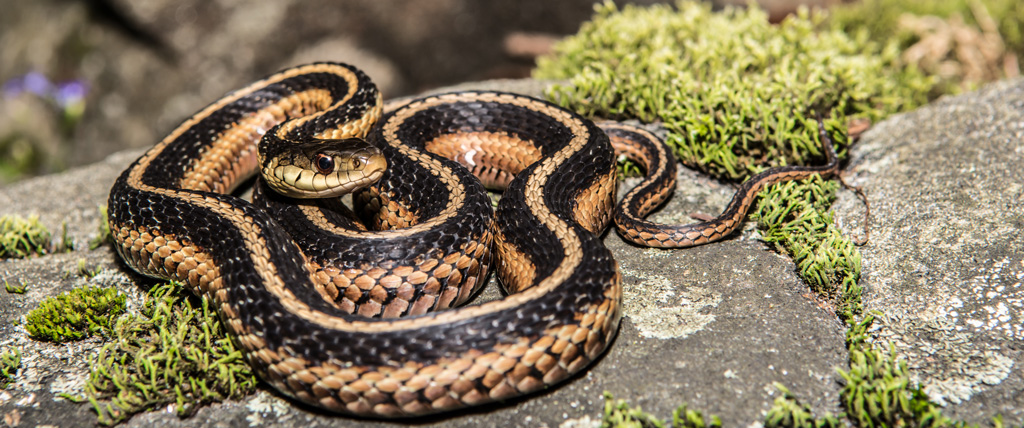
column 323, row 168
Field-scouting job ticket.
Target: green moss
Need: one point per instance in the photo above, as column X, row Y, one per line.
column 794, row 217
column 734, row 91
column 10, row 361
column 683, row 417
column 76, row 314
column 877, row 390
column 20, row 237
column 85, row 271
column 15, row 288
column 102, row 231
column 881, row 18
column 618, row 414
column 175, row 352
column 65, row 244
column 787, row 412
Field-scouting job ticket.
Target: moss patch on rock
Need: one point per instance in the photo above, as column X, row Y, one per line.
column 735, row 91
column 23, row 237
column 76, row 314
column 174, row 353
column 15, row 288
column 102, row 231
column 619, row 414
column 10, row 361
column 795, row 217
column 787, row 411
column 877, row 389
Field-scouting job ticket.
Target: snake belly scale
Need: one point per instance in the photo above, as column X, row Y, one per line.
column 312, row 298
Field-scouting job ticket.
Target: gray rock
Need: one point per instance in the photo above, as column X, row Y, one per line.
column 945, row 262
column 712, row 326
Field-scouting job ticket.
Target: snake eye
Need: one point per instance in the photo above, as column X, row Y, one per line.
column 324, row 164
column 357, row 163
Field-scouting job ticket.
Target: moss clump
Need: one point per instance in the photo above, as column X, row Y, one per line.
column 794, row 217
column 618, row 414
column 175, row 352
column 787, row 412
column 76, row 314
column 15, row 288
column 102, row 231
column 20, row 237
column 65, row 244
column 84, row 270
column 682, row 417
column 734, row 91
column 10, row 361
column 877, row 390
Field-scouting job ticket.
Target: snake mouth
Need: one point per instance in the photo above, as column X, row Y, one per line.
column 352, row 181
column 368, row 179
column 324, row 169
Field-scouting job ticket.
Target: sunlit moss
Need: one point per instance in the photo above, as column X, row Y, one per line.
column 618, row 414
column 76, row 314
column 10, row 361
column 83, row 270
column 788, row 412
column 15, row 288
column 794, row 217
column 21, row 237
column 102, row 231
column 175, row 352
column 734, row 91
column 877, row 390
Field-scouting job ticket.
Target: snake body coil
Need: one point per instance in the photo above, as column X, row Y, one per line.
column 318, row 323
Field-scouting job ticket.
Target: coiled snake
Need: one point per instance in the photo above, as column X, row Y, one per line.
column 355, row 320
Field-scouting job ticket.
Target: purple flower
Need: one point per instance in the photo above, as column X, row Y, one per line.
column 37, row 84
column 34, row 82
column 70, row 92
column 65, row 94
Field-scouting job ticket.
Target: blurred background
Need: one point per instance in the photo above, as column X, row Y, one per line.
column 85, row 78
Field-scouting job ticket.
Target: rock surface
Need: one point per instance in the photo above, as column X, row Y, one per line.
column 712, row 326
column 945, row 263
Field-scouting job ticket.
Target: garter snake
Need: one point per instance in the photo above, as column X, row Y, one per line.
column 319, row 324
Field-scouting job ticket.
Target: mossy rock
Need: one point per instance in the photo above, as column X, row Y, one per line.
column 736, row 92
